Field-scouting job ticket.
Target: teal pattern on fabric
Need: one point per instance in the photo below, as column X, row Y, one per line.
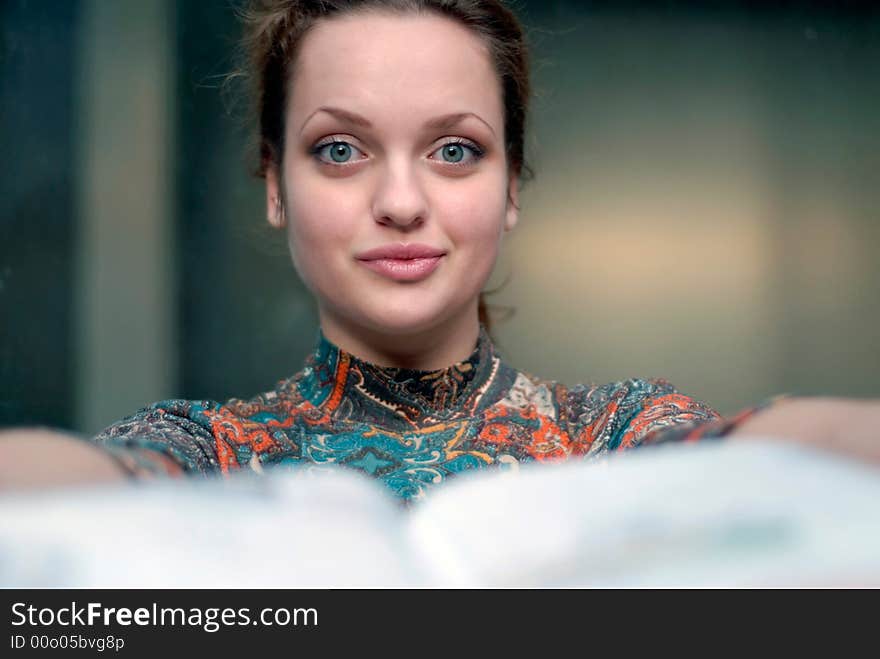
column 409, row 429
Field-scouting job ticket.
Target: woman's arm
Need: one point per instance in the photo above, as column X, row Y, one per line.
column 649, row 412
column 38, row 457
column 167, row 439
column 846, row 426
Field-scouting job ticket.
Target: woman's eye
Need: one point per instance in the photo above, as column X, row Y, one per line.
column 337, row 153
column 458, row 153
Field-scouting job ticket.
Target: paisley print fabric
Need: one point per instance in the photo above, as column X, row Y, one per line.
column 410, row 429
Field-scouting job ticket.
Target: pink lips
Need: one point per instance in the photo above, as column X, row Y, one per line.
column 402, row 262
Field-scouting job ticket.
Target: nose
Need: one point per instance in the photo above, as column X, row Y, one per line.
column 399, row 198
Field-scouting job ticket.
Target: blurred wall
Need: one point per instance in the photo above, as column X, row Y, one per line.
column 704, row 208
column 125, row 249
column 706, row 201
column 37, row 200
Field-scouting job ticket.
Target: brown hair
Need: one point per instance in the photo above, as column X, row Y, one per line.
column 275, row 28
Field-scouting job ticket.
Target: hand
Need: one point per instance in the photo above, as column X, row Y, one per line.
column 845, row 426
column 38, row 457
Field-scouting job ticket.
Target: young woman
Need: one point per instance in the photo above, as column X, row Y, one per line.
column 392, row 148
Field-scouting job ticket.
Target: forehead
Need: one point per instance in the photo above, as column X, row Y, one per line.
column 395, row 67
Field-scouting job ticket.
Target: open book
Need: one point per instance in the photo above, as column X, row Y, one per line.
column 745, row 513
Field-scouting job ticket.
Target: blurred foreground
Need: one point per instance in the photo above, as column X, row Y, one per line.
column 722, row 514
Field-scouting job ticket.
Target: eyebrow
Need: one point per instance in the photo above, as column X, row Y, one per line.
column 442, row 122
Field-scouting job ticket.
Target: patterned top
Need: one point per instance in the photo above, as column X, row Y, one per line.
column 411, row 429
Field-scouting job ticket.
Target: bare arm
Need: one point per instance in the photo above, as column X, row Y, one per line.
column 846, row 426
column 32, row 458
column 167, row 439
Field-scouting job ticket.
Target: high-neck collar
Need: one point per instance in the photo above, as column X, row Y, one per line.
column 352, row 389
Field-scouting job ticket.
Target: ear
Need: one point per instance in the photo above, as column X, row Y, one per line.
column 512, row 213
column 274, row 205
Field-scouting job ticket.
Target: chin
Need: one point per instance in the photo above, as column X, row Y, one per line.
column 407, row 315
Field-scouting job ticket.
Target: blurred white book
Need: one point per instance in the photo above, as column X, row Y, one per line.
column 745, row 513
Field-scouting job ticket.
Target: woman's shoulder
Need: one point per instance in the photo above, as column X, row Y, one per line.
column 635, row 411
column 191, row 430
column 167, row 437
column 525, row 385
column 654, row 396
column 150, row 418
column 628, row 391
column 584, row 400
column 204, row 412
column 597, row 417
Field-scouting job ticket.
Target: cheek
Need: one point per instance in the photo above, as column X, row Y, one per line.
column 321, row 225
column 474, row 215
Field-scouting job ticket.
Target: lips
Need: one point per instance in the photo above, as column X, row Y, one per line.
column 401, row 251
column 402, row 262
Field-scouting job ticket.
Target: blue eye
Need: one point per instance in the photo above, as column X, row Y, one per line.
column 459, row 153
column 336, row 152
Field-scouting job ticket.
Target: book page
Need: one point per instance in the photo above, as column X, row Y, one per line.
column 311, row 527
column 727, row 513
column 745, row 513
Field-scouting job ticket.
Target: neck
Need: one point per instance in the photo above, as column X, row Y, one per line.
column 425, row 349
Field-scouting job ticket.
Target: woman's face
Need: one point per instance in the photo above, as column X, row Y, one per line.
column 394, row 138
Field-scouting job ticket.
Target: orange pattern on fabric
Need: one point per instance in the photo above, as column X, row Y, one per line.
column 339, row 384
column 668, row 407
column 231, row 430
column 547, row 442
